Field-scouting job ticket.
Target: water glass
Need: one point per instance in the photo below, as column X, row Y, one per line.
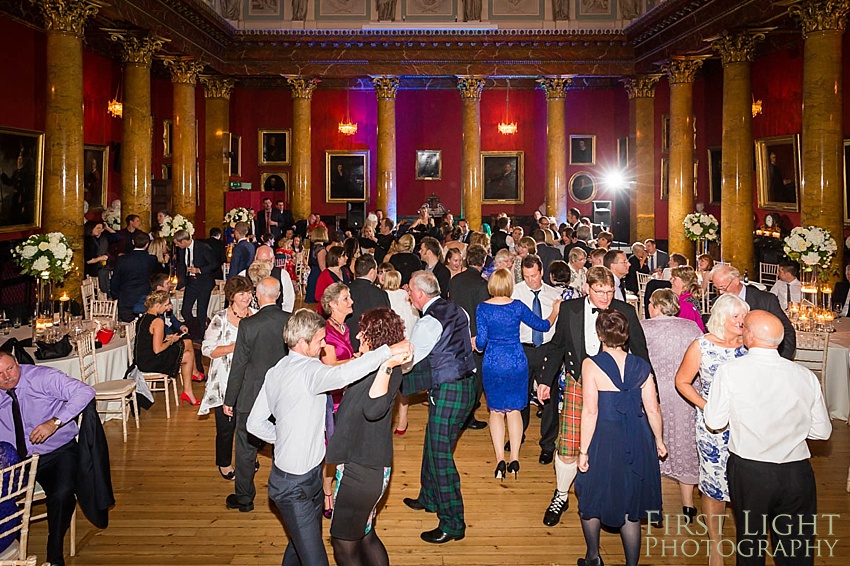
column 16, row 322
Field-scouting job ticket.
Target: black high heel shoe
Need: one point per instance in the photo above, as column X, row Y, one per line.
column 690, row 513
column 513, row 467
column 596, row 562
column 500, row 470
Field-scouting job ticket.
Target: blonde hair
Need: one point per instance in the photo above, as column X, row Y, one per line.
column 331, row 295
column 319, row 234
column 725, row 308
column 156, row 298
column 528, row 243
column 481, row 239
column 392, row 280
column 159, row 249
column 258, row 271
column 666, row 301
column 501, row 283
column 405, row 244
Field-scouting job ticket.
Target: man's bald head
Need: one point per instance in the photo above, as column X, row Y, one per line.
column 265, row 254
column 762, row 330
column 268, row 290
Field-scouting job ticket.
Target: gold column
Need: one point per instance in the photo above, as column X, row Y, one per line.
column 680, row 73
column 216, row 165
column 470, row 92
column 821, row 190
column 641, row 92
column 136, row 124
column 556, row 146
column 302, row 97
column 184, row 77
column 385, row 89
column 736, row 168
column 63, row 149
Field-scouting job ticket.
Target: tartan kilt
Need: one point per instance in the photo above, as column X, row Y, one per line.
column 569, row 429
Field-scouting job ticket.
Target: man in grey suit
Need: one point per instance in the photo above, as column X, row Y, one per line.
column 365, row 294
column 259, row 346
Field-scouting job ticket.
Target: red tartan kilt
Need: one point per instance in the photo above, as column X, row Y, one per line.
column 569, row 435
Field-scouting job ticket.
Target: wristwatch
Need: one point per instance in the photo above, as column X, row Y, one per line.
column 57, row 421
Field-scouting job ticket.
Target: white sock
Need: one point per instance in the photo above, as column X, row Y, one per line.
column 565, row 474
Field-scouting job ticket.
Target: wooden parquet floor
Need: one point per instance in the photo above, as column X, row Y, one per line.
column 170, row 506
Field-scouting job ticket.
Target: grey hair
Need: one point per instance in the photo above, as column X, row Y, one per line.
column 331, row 295
column 583, row 232
column 268, row 287
column 725, row 308
column 724, row 268
column 181, row 236
column 577, row 253
column 666, row 301
column 426, row 282
column 302, row 325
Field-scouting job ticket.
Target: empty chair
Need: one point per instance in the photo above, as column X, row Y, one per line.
column 18, row 483
column 121, row 390
column 103, row 309
column 643, row 279
column 88, row 289
column 156, row 381
column 768, row 273
column 812, row 352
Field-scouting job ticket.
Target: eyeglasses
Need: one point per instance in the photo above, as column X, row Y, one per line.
column 601, row 293
column 725, row 287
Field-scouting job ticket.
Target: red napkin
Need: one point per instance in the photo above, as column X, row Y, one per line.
column 104, row 335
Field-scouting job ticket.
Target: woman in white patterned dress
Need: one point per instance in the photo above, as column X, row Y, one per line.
column 722, row 343
column 218, row 344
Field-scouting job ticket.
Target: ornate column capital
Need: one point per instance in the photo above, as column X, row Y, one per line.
column 217, row 87
column 302, row 88
column 555, row 87
column 737, row 48
column 385, row 87
column 680, row 70
column 68, row 16
column 821, row 15
column 470, row 87
column 641, row 86
column 136, row 49
column 183, row 70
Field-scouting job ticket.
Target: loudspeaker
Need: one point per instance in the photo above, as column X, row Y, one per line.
column 602, row 212
column 356, row 215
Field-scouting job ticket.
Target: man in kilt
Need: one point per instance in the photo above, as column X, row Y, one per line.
column 576, row 339
column 443, row 365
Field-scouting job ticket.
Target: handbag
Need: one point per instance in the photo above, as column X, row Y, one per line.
column 58, row 349
column 104, row 335
column 144, row 397
column 15, row 347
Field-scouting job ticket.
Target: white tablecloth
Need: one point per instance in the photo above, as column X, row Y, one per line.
column 837, row 382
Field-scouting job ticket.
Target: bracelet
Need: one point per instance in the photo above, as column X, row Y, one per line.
column 582, row 452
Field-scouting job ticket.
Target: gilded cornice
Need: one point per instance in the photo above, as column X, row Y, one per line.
column 302, row 88
column 681, row 70
column 135, row 49
column 470, row 87
column 385, row 87
column 641, row 86
column 555, row 87
column 821, row 15
column 217, row 87
column 67, row 16
column 183, row 71
column 737, row 48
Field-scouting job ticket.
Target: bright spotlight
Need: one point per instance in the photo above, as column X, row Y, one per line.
column 616, row 180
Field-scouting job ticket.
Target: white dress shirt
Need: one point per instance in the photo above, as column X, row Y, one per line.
column 772, row 405
column 294, row 392
column 425, row 335
column 548, row 295
column 780, row 289
column 592, row 344
column 618, row 291
column 287, row 290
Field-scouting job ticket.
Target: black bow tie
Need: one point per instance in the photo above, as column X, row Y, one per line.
column 595, row 310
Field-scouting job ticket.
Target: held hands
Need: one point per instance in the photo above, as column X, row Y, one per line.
column 401, row 354
column 43, row 431
column 661, row 447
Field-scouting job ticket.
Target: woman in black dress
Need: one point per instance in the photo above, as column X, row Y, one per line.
column 160, row 353
column 362, row 447
column 405, row 260
column 96, row 252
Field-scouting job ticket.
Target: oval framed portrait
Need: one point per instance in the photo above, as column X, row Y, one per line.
column 582, row 187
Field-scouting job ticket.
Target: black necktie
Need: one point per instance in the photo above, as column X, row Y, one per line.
column 787, row 295
column 20, row 439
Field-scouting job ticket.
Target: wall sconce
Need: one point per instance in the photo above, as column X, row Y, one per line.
column 757, row 107
column 115, row 107
column 507, row 127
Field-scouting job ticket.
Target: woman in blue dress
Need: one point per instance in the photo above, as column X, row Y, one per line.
column 505, row 367
column 621, row 442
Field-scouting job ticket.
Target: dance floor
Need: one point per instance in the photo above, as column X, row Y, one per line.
column 170, row 506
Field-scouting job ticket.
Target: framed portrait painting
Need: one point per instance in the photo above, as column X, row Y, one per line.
column 582, row 149
column 346, row 176
column 778, row 166
column 582, row 187
column 167, row 137
column 21, row 163
column 275, row 181
column 847, row 183
column 502, row 177
column 665, row 179
column 665, row 133
column 235, row 155
column 96, row 159
column 715, row 156
column 429, row 164
column 273, row 147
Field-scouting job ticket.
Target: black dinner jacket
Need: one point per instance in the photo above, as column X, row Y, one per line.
column 366, row 296
column 204, row 260
column 468, row 290
column 634, row 269
column 284, row 220
column 764, row 301
column 547, row 255
column 662, row 260
column 567, row 345
column 259, row 347
column 444, row 277
column 499, row 241
column 839, row 294
column 220, row 252
column 260, row 223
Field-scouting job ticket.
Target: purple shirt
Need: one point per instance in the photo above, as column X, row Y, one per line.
column 45, row 393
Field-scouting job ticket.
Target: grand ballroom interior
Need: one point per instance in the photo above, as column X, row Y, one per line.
column 635, row 112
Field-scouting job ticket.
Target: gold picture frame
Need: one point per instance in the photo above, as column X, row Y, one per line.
column 502, row 177
column 779, row 178
column 846, row 181
column 167, row 137
column 273, row 147
column 582, row 149
column 664, row 193
column 234, row 156
column 22, row 161
column 665, row 133
column 429, row 164
column 583, row 187
column 715, row 180
column 275, row 182
column 95, row 175
column 346, row 176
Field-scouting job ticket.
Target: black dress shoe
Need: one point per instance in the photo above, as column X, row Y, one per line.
column 546, row 457
column 475, row 424
column 232, row 502
column 690, row 514
column 552, row 516
column 596, row 562
column 437, row 536
column 415, row 504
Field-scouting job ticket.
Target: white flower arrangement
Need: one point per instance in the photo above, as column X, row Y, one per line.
column 810, row 245
column 112, row 215
column 701, row 225
column 40, row 253
column 239, row 214
column 171, row 226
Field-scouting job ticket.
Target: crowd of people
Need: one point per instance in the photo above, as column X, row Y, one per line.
column 535, row 318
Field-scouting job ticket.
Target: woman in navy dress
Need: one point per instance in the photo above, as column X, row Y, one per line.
column 505, row 367
column 621, row 442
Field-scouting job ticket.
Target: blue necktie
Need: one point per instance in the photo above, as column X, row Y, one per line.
column 536, row 335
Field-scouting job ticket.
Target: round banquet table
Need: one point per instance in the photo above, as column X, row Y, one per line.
column 837, row 378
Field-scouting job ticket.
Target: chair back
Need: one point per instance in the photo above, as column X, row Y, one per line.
column 18, row 483
column 104, row 309
column 768, row 273
column 131, row 340
column 812, row 352
column 87, row 356
column 87, row 288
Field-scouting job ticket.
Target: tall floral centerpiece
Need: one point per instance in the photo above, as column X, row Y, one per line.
column 47, row 257
column 238, row 214
column 813, row 248
column 702, row 228
column 169, row 227
column 112, row 215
